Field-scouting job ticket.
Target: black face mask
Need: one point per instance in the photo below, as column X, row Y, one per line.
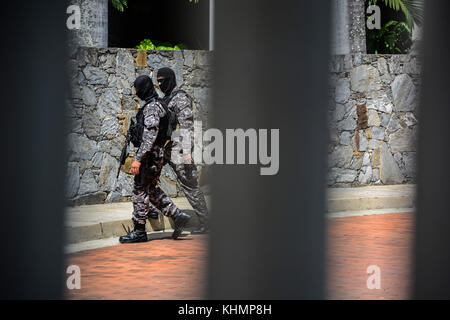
column 144, row 88
column 168, row 82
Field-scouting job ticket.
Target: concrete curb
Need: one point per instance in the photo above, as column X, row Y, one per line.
column 89, row 223
column 338, row 205
column 371, row 198
column 349, row 214
column 113, row 241
column 112, row 229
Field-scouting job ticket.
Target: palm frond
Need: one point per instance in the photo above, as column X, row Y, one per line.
column 413, row 10
column 120, row 5
column 416, row 8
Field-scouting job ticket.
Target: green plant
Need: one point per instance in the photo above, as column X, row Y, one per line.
column 412, row 9
column 120, row 5
column 147, row 44
column 393, row 37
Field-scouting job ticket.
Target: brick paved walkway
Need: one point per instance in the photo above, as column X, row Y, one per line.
column 167, row 269
column 357, row 242
column 158, row 269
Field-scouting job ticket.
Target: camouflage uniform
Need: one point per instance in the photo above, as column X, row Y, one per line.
column 151, row 156
column 187, row 174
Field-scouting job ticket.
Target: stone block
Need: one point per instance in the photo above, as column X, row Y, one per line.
column 341, row 157
column 342, row 91
column 403, row 140
column 141, row 59
column 404, row 93
column 95, row 76
column 88, row 183
column 373, row 119
column 72, row 180
column 379, row 101
column 364, row 79
column 346, row 176
column 378, row 133
column 365, row 176
column 389, row 170
column 108, row 173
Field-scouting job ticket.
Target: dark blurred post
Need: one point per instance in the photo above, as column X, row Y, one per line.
column 432, row 250
column 32, row 162
column 271, row 73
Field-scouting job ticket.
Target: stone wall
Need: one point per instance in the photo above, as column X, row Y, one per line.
column 373, row 119
column 100, row 106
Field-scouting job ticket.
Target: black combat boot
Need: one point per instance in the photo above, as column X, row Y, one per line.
column 137, row 235
column 202, row 228
column 180, row 220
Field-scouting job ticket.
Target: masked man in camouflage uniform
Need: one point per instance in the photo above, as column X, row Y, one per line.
column 180, row 103
column 147, row 166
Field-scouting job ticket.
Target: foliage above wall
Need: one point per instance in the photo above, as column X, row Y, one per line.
column 412, row 9
column 120, row 5
column 393, row 38
column 147, row 44
column 398, row 18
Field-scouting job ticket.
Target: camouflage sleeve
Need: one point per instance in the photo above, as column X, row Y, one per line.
column 152, row 115
column 185, row 113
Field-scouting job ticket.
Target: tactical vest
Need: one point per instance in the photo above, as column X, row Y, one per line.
column 137, row 128
column 173, row 121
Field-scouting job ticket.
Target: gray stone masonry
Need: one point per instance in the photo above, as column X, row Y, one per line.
column 373, row 119
column 100, row 106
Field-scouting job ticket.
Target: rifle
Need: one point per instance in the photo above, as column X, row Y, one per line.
column 124, row 154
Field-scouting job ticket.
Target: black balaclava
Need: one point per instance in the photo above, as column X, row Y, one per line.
column 144, row 88
column 168, row 82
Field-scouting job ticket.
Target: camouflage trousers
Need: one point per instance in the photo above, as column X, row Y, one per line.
column 187, row 176
column 146, row 192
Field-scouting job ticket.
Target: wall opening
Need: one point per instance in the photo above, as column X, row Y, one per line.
column 394, row 36
column 173, row 22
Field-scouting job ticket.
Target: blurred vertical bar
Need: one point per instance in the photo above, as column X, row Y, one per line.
column 271, row 72
column 432, row 243
column 33, row 88
column 211, row 24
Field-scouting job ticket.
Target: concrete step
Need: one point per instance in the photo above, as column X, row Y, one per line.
column 100, row 221
column 107, row 242
column 94, row 222
column 371, row 198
